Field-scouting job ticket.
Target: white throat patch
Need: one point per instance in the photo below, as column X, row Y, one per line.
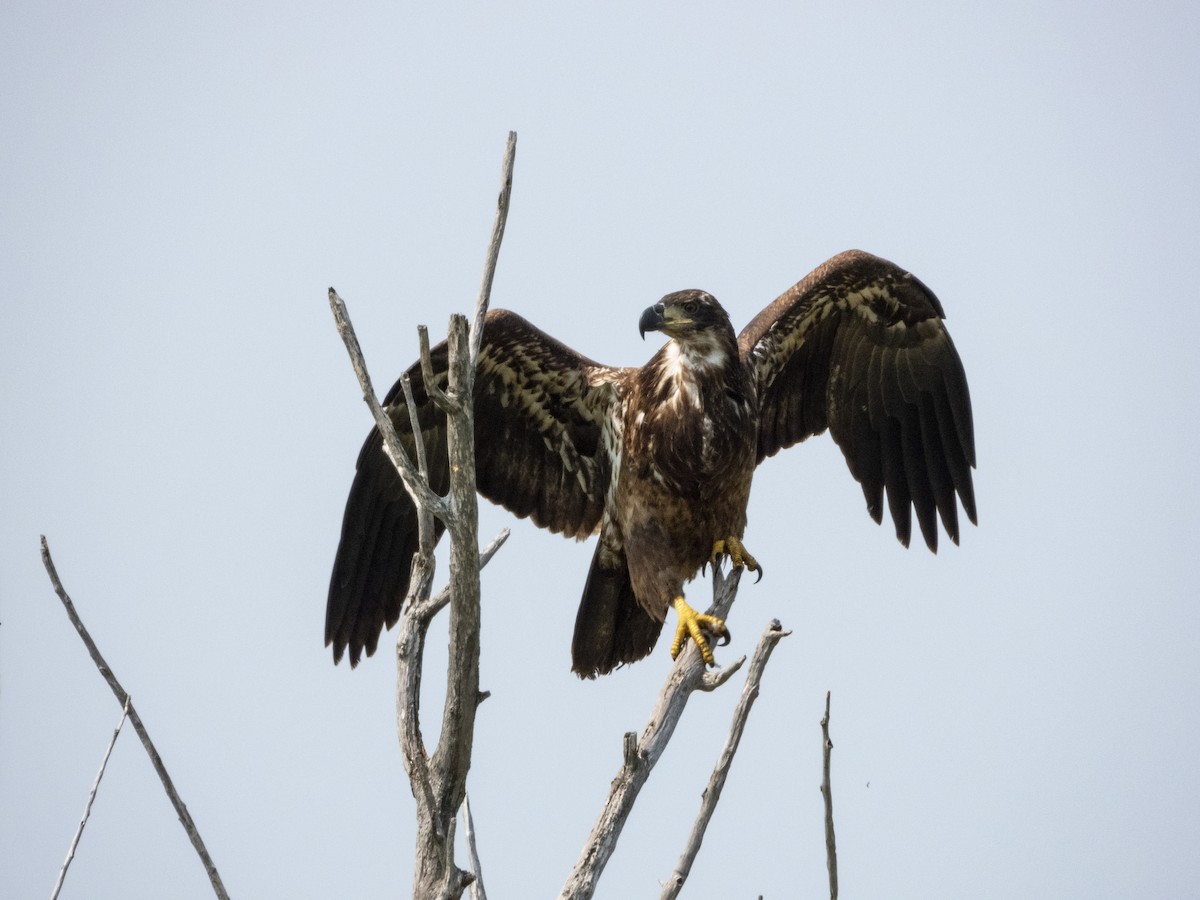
column 682, row 363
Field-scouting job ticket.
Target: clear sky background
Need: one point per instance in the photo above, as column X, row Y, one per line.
column 181, row 184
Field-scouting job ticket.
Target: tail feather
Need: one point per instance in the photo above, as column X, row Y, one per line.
column 611, row 628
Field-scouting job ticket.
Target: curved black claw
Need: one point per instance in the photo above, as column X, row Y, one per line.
column 739, row 556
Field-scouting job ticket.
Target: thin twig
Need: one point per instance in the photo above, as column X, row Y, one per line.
column 717, row 677
column 416, row 486
column 429, row 376
column 685, row 677
column 414, row 476
column 477, row 889
column 493, row 253
column 423, row 565
column 716, row 782
column 185, row 817
column 827, row 793
column 414, row 423
column 87, row 807
column 437, row 603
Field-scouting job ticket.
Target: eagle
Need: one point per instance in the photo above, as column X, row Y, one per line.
column 657, row 461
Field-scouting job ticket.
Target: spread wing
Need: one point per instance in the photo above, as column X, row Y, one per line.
column 859, row 347
column 540, row 409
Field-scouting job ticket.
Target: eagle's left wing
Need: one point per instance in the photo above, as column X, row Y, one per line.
column 859, row 347
column 540, row 414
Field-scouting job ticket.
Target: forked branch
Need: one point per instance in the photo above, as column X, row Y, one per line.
column 716, row 782
column 122, row 696
column 686, row 676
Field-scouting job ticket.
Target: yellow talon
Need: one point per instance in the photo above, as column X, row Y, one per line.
column 737, row 553
column 693, row 624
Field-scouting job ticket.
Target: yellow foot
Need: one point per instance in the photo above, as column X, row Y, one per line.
column 738, row 555
column 693, row 624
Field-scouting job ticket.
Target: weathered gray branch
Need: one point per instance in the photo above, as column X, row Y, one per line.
column 185, row 817
column 439, row 780
column 493, row 251
column 434, row 605
column 87, row 807
column 708, row 803
column 428, row 375
column 477, row 889
column 827, row 794
column 418, row 489
column 686, row 676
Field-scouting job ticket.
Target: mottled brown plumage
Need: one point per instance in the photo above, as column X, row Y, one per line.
column 659, row 459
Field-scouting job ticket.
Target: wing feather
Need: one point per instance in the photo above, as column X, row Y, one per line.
column 859, row 347
column 540, row 408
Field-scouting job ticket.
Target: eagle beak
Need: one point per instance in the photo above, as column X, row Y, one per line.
column 652, row 320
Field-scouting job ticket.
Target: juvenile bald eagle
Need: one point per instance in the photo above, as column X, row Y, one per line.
column 658, row 460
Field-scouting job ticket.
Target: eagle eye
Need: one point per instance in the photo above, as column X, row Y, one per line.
column 690, row 307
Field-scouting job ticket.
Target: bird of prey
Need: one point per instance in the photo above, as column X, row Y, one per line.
column 657, row 461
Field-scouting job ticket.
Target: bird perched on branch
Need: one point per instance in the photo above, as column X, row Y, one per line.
column 658, row 460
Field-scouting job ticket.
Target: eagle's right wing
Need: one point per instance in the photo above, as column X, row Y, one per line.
column 540, row 410
column 859, row 347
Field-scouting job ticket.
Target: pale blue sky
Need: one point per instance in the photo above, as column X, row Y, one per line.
column 179, row 184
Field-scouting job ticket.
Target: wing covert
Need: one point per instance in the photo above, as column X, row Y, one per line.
column 540, row 413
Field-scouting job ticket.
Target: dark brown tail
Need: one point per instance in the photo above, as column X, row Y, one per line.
column 612, row 628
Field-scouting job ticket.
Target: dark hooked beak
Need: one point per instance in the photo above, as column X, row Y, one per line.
column 651, row 320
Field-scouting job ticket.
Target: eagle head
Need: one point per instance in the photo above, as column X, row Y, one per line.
column 685, row 315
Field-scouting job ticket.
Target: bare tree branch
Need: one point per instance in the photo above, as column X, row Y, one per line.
column 452, row 758
column 185, row 817
column 477, row 890
column 410, row 639
column 87, row 807
column 493, row 252
column 410, row 651
column 686, row 676
column 708, row 803
column 418, row 489
column 420, row 580
column 439, row 780
column 714, row 679
column 827, row 794
column 436, row 604
column 428, row 375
